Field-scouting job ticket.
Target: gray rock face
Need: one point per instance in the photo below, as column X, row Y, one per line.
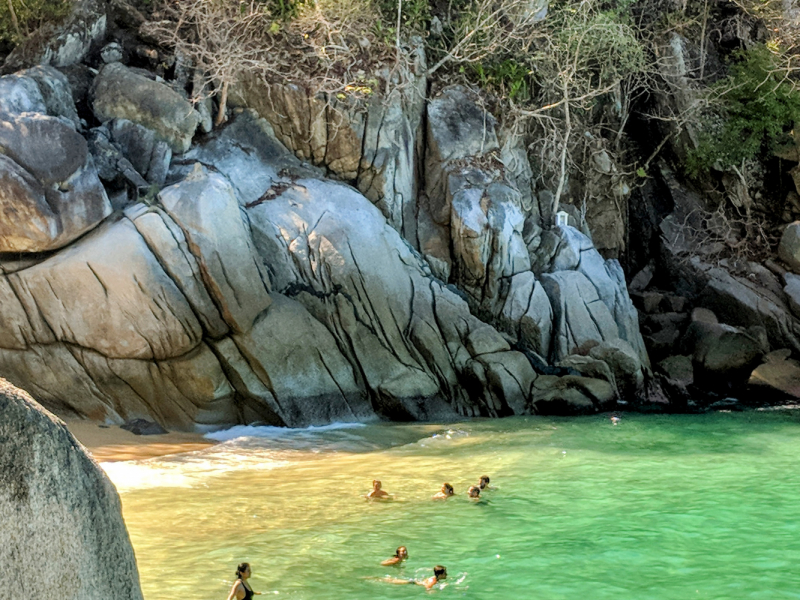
column 56, row 92
column 63, row 535
column 120, row 93
column 371, row 143
column 46, row 147
column 51, row 194
column 20, row 94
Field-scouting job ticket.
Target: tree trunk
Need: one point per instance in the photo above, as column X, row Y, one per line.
column 14, row 20
column 223, row 105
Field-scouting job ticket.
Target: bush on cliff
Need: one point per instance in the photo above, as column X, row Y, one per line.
column 19, row 19
column 753, row 111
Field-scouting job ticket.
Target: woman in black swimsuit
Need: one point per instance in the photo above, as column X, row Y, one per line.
column 241, row 590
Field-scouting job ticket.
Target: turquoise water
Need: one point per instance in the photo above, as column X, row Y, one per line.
column 657, row 507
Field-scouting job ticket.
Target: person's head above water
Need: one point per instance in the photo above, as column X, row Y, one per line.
column 401, row 552
column 243, row 571
column 474, row 491
column 376, row 484
column 440, row 572
column 447, row 489
column 484, row 481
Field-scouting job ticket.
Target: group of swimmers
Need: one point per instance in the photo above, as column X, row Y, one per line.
column 241, row 589
column 474, row 491
column 401, row 554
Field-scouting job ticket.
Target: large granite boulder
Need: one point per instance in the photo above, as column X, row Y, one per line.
column 723, row 355
column 121, row 93
column 51, row 193
column 56, row 92
column 63, row 535
column 777, row 375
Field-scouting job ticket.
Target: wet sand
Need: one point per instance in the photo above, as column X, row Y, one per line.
column 112, row 444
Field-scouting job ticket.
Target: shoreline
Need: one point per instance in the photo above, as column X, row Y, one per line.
column 110, row 443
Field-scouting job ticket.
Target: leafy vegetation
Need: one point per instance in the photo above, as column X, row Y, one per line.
column 18, row 18
column 757, row 105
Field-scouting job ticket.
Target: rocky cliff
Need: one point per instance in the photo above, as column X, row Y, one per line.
column 327, row 257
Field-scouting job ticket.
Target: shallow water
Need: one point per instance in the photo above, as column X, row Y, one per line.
column 657, row 507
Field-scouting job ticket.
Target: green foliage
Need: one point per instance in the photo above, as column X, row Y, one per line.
column 758, row 106
column 414, row 18
column 284, row 10
column 602, row 44
column 507, row 78
column 29, row 15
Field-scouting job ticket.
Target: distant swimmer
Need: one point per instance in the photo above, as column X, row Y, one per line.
column 446, row 491
column 377, row 492
column 400, row 555
column 484, row 483
column 474, row 492
column 241, row 590
column 439, row 573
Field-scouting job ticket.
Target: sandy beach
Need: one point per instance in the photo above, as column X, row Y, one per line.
column 112, row 444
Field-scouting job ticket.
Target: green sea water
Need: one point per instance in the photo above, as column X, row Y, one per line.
column 657, row 507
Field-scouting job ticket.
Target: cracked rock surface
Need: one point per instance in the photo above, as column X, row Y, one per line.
column 63, row 535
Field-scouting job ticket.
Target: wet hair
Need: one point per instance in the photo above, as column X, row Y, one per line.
column 241, row 569
column 439, row 570
column 476, row 489
column 378, row 481
column 397, row 552
column 484, row 481
column 447, row 488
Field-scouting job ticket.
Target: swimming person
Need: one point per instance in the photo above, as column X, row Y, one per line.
column 439, row 573
column 241, row 590
column 474, row 492
column 377, row 492
column 400, row 555
column 484, row 483
column 447, row 491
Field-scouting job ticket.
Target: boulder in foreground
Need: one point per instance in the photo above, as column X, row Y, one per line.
column 62, row 533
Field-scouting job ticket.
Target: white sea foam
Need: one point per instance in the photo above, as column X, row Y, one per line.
column 265, row 431
column 187, row 470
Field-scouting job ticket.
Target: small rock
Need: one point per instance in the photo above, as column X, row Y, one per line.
column 727, row 404
column 642, row 279
column 143, row 427
column 703, row 315
column 675, row 303
column 111, row 53
column 651, row 301
column 789, row 247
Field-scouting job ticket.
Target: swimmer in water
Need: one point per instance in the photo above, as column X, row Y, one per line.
column 439, row 573
column 484, row 483
column 445, row 493
column 400, row 555
column 241, row 590
column 474, row 492
column 377, row 492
